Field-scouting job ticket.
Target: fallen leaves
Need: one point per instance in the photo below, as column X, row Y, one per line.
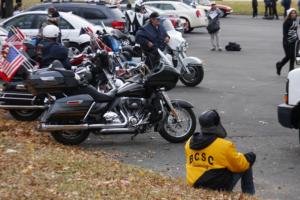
column 33, row 166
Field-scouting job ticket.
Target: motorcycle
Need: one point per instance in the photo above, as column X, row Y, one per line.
column 191, row 68
column 134, row 108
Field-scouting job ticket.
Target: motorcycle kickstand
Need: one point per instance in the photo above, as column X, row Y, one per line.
column 132, row 137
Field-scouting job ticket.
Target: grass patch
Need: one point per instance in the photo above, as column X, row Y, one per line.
column 245, row 7
column 33, row 166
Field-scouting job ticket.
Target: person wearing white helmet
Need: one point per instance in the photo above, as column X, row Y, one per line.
column 50, row 49
column 84, row 43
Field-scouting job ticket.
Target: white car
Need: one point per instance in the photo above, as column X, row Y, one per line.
column 194, row 17
column 30, row 22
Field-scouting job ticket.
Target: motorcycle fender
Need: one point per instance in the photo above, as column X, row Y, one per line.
column 192, row 61
column 182, row 103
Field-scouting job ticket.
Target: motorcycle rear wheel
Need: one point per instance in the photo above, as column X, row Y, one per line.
column 70, row 137
column 25, row 115
column 176, row 136
column 194, row 78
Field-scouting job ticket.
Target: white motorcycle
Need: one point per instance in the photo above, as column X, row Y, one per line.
column 190, row 68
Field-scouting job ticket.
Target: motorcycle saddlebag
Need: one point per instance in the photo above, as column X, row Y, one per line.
column 72, row 109
column 45, row 81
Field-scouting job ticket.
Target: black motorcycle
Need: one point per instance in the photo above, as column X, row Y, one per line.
column 136, row 107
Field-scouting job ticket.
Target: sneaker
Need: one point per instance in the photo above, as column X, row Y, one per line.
column 278, row 68
column 220, row 49
column 213, row 49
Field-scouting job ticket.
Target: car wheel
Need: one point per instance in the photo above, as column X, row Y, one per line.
column 74, row 49
column 187, row 26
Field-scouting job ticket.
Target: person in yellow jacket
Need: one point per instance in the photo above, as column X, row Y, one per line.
column 213, row 162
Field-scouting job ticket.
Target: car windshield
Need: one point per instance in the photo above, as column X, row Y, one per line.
column 118, row 13
column 167, row 24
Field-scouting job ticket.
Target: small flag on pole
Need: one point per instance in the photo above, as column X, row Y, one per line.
column 12, row 62
column 15, row 35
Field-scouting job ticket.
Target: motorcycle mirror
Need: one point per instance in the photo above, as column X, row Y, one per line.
column 297, row 52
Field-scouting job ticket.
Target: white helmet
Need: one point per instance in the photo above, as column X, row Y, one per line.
column 51, row 31
column 83, row 38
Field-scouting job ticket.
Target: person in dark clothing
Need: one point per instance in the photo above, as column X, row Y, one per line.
column 49, row 49
column 53, row 16
column 274, row 9
column 3, row 9
column 267, row 8
column 290, row 37
column 286, row 5
column 213, row 162
column 151, row 37
column 254, row 7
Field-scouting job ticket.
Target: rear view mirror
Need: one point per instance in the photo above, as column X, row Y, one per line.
column 297, row 52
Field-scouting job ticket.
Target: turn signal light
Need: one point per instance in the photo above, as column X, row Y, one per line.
column 286, row 98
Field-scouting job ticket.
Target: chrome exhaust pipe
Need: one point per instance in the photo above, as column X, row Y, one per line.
column 45, row 127
column 116, row 130
column 21, row 107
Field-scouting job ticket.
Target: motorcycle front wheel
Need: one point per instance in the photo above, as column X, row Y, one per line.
column 194, row 77
column 25, row 115
column 70, row 137
column 179, row 131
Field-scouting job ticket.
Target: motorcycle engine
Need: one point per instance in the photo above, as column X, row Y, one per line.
column 135, row 109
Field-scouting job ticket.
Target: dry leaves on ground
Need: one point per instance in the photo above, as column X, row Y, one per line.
column 33, row 166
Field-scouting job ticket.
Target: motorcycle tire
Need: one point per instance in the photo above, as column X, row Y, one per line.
column 25, row 115
column 178, row 139
column 71, row 138
column 198, row 74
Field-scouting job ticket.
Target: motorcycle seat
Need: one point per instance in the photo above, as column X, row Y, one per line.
column 96, row 95
column 65, row 73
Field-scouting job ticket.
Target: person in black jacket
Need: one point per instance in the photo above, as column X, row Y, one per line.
column 254, row 7
column 151, row 37
column 274, row 9
column 290, row 37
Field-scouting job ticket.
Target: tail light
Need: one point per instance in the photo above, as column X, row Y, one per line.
column 286, row 98
column 198, row 13
column 118, row 25
column 174, row 22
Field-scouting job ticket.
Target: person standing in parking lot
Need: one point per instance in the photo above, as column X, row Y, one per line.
column 290, row 37
column 254, row 7
column 213, row 26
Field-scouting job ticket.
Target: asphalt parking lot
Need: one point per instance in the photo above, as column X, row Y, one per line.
column 245, row 89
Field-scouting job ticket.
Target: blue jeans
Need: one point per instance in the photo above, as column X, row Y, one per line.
column 246, row 181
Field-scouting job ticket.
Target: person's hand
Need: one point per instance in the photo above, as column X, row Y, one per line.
column 150, row 44
column 167, row 39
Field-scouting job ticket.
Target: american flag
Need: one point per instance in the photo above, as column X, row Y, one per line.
column 86, row 30
column 12, row 62
column 15, row 35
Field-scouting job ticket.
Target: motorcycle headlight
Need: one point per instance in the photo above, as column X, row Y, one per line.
column 184, row 46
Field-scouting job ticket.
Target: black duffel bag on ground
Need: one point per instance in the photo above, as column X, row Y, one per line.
column 232, row 46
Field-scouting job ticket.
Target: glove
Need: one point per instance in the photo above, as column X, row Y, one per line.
column 251, row 157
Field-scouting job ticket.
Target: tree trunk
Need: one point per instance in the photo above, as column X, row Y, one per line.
column 9, row 7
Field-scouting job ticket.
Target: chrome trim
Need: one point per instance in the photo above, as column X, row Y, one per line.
column 45, row 127
column 22, row 107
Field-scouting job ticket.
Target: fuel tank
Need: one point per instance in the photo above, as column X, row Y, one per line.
column 131, row 90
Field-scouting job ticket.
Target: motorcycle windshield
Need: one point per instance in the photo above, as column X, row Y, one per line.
column 167, row 24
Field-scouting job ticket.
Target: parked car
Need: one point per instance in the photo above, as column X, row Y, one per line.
column 226, row 10
column 177, row 22
column 194, row 18
column 30, row 22
column 206, row 5
column 93, row 12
